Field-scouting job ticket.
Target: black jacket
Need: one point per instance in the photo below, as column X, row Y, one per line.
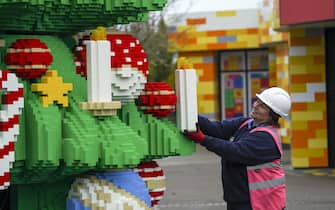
column 238, row 149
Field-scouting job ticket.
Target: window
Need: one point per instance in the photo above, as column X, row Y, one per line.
column 242, row 74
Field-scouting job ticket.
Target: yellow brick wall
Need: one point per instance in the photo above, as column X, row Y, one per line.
column 279, row 76
column 268, row 21
column 199, row 33
column 309, row 114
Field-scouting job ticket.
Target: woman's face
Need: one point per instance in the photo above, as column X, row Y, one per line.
column 260, row 112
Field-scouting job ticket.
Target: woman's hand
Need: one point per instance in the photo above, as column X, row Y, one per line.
column 196, row 136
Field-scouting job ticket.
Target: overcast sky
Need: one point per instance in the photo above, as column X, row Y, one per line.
column 182, row 6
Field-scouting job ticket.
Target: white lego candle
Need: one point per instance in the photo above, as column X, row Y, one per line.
column 98, row 71
column 187, row 106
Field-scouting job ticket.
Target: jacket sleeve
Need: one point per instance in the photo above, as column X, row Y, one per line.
column 222, row 130
column 255, row 148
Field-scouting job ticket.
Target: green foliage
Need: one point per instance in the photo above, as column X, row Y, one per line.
column 70, row 16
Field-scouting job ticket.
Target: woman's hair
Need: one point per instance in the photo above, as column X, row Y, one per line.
column 274, row 118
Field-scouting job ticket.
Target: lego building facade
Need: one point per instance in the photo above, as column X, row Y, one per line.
column 282, row 43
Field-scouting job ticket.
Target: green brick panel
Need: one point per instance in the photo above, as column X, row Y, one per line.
column 70, row 16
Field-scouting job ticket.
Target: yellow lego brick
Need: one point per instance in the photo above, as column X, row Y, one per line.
column 307, row 115
column 321, row 133
column 205, row 88
column 248, row 38
column 316, row 106
column 186, row 29
column 317, row 143
column 207, row 106
column 206, row 40
column 195, row 47
column 237, row 32
column 253, row 44
column 300, row 88
column 300, row 125
column 196, row 34
column 304, row 69
column 309, row 153
column 307, row 60
column 227, row 13
column 237, row 45
column 300, row 153
column 315, row 50
column 300, row 162
column 316, row 152
column 195, row 59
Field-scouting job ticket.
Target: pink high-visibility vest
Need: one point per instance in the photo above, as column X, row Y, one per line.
column 266, row 181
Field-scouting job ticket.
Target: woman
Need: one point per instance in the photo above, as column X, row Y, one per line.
column 250, row 149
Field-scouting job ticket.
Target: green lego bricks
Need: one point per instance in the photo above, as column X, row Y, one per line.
column 57, row 144
column 70, row 16
column 164, row 139
column 46, row 196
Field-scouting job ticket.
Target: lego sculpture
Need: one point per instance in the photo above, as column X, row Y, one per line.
column 80, row 124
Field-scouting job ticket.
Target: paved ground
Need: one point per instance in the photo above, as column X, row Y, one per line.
column 194, row 183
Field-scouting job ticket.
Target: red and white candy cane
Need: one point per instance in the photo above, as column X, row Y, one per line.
column 11, row 106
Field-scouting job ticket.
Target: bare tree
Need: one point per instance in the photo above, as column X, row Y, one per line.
column 153, row 35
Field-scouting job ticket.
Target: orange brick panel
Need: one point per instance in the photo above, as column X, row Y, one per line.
column 181, row 39
column 318, row 162
column 317, row 124
column 217, row 46
column 306, row 41
column 299, row 106
column 216, row 33
column 300, row 139
column 191, row 41
column 320, row 96
column 196, row 21
column 252, row 31
column 208, row 71
column 319, row 59
column 298, row 79
column 209, row 97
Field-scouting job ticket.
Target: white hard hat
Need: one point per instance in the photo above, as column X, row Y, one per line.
column 277, row 99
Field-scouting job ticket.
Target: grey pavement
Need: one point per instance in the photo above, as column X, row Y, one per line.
column 194, row 182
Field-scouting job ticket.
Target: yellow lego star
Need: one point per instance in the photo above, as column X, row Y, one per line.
column 52, row 89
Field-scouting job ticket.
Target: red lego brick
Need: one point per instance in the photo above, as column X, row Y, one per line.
column 28, row 58
column 158, row 99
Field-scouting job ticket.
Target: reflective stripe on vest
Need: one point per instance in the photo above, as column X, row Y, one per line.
column 265, row 165
column 266, row 184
